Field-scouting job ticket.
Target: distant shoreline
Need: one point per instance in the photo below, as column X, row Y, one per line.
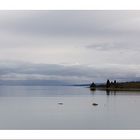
column 117, row 86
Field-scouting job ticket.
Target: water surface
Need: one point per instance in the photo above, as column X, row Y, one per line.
column 67, row 107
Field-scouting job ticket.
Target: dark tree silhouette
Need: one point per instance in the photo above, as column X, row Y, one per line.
column 115, row 83
column 107, row 84
column 92, row 86
column 111, row 84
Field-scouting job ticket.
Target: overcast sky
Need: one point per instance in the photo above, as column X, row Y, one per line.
column 76, row 46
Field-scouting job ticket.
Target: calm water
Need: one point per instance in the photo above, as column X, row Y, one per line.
column 37, row 107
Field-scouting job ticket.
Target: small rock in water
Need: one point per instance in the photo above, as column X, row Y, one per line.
column 60, row 103
column 94, row 104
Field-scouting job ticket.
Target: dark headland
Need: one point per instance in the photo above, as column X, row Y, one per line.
column 116, row 86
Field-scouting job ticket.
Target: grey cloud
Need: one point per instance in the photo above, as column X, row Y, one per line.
column 27, row 25
column 62, row 23
column 124, row 45
column 102, row 46
column 75, row 74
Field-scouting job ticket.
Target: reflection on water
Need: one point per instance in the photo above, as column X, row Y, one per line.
column 110, row 92
column 62, row 107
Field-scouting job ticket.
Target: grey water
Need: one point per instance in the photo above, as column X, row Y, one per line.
column 67, row 107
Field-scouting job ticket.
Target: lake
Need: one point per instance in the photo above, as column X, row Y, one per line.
column 67, row 107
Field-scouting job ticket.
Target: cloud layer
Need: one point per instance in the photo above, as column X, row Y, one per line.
column 75, row 46
column 71, row 74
